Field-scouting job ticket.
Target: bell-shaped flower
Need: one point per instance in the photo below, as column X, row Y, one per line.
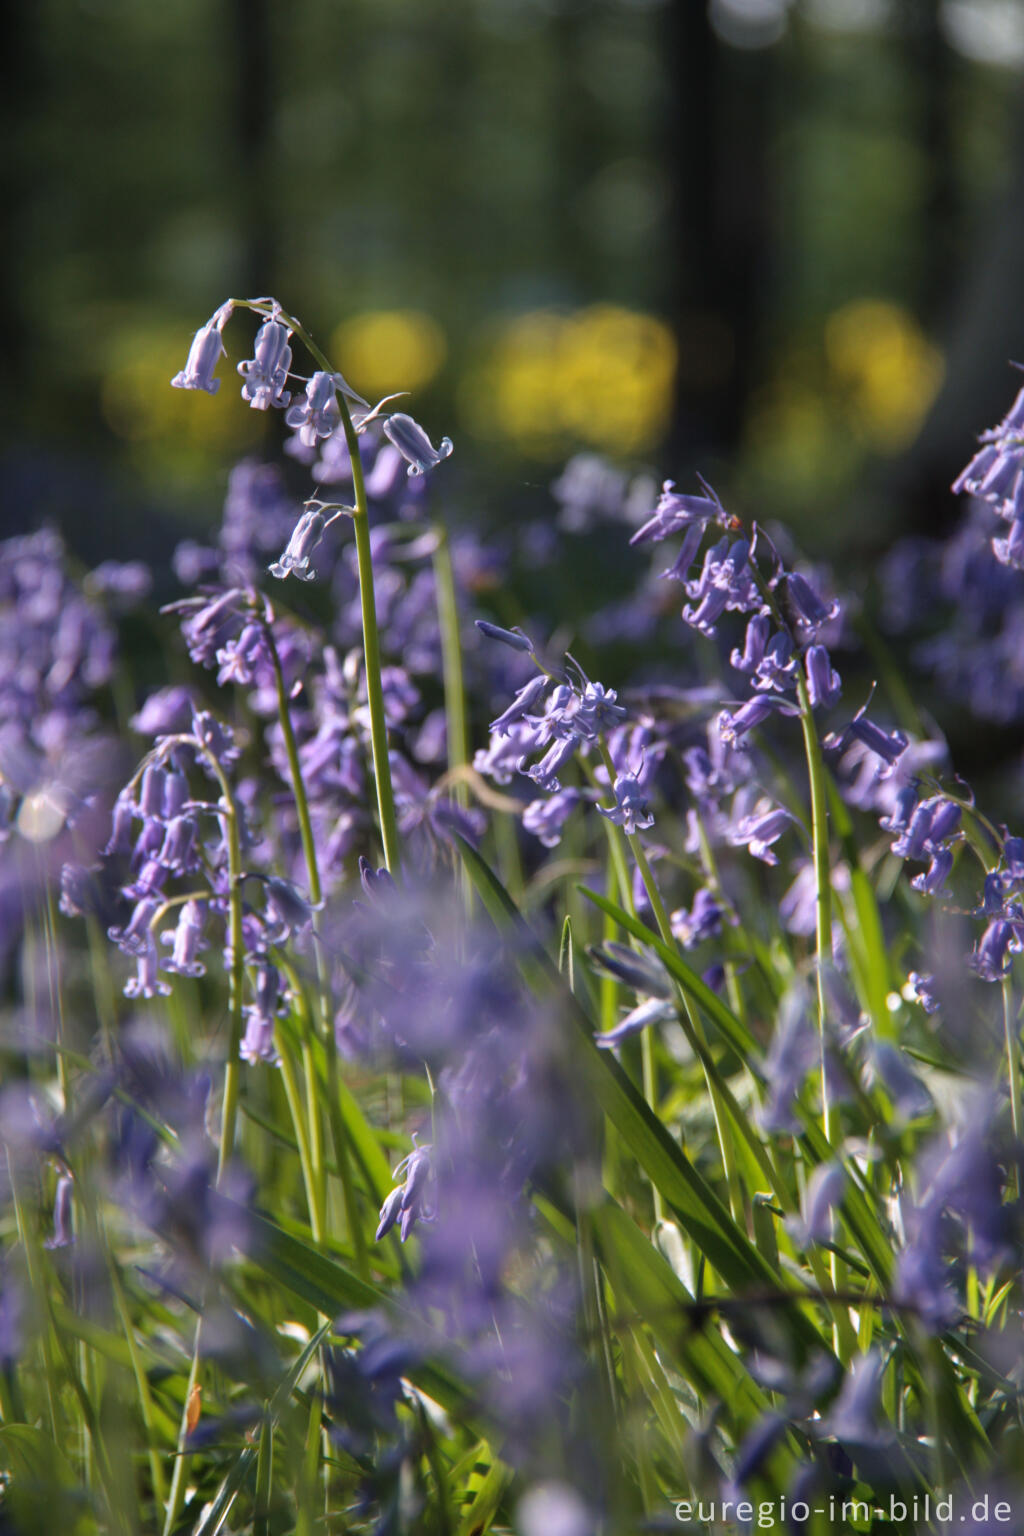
column 204, row 355
column 317, row 414
column 266, row 373
column 413, row 443
column 306, row 535
column 630, row 811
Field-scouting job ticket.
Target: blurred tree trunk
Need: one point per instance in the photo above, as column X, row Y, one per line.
column 983, row 331
column 249, row 32
column 718, row 152
column 931, row 72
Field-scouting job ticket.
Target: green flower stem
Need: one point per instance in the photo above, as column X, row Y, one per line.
column 451, row 657
column 371, row 639
column 823, row 882
column 823, row 953
column 339, row 1134
column 688, row 1013
column 1013, row 1070
column 156, row 1471
column 232, row 1087
column 313, row 1169
column 181, row 1458
column 290, row 1079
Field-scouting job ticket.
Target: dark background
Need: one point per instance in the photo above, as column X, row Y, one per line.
column 782, row 243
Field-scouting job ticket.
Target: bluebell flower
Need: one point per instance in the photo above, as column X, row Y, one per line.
column 824, row 685
column 62, row 1233
column 676, row 512
column 521, row 705
column 759, row 627
column 888, row 745
column 204, row 354
column 637, row 968
column 703, row 921
column 933, row 881
column 507, row 749
column 261, row 1015
column 413, row 443
column 546, row 818
column 266, row 373
column 187, row 941
column 513, row 637
column 752, row 714
column 544, row 773
column 990, row 958
column 409, row 1202
column 759, row 829
column 808, row 610
column 306, row 535
column 631, row 810
column 921, row 988
column 318, row 414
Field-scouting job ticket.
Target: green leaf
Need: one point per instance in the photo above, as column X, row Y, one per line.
column 649, row 1290
column 331, row 1289
column 216, row 1512
column 692, row 1200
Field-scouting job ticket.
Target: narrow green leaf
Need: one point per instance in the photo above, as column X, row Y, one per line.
column 692, row 1200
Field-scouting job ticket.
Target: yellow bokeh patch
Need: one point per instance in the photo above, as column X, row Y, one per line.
column 601, row 376
column 383, row 350
column 886, row 368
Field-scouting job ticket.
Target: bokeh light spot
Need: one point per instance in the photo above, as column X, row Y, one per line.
column 383, row 350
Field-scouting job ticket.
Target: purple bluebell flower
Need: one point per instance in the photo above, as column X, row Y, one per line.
column 544, row 772
column 679, row 570
column 187, row 941
column 990, row 958
column 1013, row 854
column 921, row 988
column 413, row 443
column 703, row 921
column 631, row 810
column 507, row 749
column 513, row 637
column 546, row 819
column 412, row 1199
column 261, row 1015
column 759, row 829
column 887, row 745
column 824, row 685
column 266, row 373
column 306, row 535
column 147, row 981
column 808, row 610
column 759, row 628
column 933, row 881
column 62, row 1232
column 165, row 712
column 676, row 512
column 204, row 354
column 318, row 414
column 654, row 1011
column 752, row 714
column 521, row 705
